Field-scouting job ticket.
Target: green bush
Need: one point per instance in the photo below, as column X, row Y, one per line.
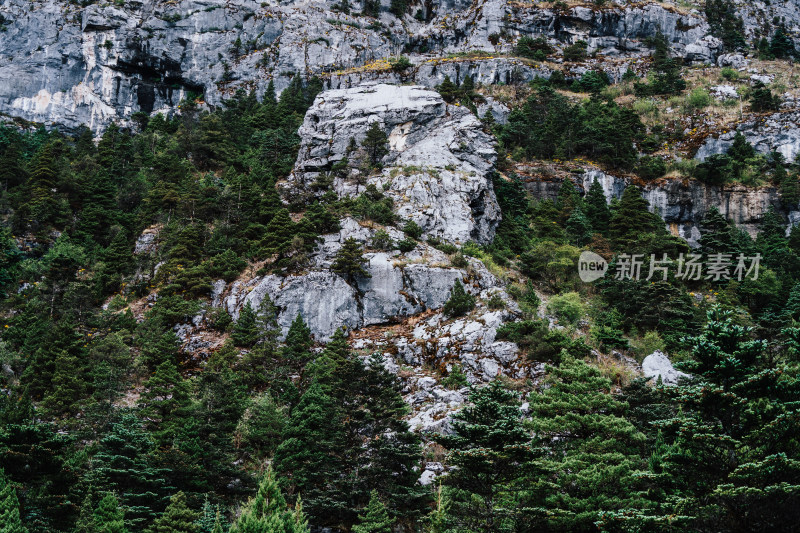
column 459, row 261
column 537, row 49
column 648, row 344
column 226, row 265
column 412, row 229
column 566, row 307
column 576, row 52
column 374, row 205
column 539, row 342
column 382, row 241
column 762, row 99
column 650, row 167
column 406, row 245
column 698, row 99
column 729, row 74
column 495, row 302
column 455, row 378
column 594, row 81
column 460, row 301
column 400, row 64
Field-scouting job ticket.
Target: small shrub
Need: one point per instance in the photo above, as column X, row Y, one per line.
column 594, row 81
column 576, row 52
column 762, row 99
column 459, row 261
column 460, row 301
column 539, row 342
column 400, row 64
column 382, row 240
column 537, row 49
column 608, row 337
column 729, row 74
column 455, row 379
column 406, row 245
column 566, row 307
column 650, row 168
column 645, row 106
column 650, row 343
column 629, row 75
column 412, row 229
column 219, row 319
column 446, row 248
column 495, row 302
column 697, row 99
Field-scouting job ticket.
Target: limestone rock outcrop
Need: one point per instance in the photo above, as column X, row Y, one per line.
column 71, row 63
column 683, row 203
column 438, row 169
column 400, row 285
column 657, row 365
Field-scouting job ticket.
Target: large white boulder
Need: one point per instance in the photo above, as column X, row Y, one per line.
column 440, row 162
column 657, row 364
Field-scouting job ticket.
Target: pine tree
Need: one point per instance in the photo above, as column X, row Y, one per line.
column 10, row 521
column 177, row 518
column 731, row 464
column 109, row 517
column 597, row 210
column 781, row 45
column 349, row 261
column 375, row 144
column 86, row 523
column 578, row 227
column 460, row 301
column 375, row 518
column 448, row 90
column 165, row 402
column 278, row 233
column 762, row 100
column 790, row 190
column 209, row 517
column 69, row 385
column 489, row 448
column 124, row 464
column 590, row 452
column 268, row 512
column 245, row 330
column 717, row 233
column 41, row 204
column 741, row 150
column 347, row 436
column 632, row 220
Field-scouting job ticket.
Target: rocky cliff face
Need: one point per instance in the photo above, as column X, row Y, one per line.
column 773, row 132
column 439, row 166
column 682, row 203
column 64, row 64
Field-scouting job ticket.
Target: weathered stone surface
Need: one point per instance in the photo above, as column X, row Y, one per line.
column 683, row 203
column 778, row 132
column 401, row 285
column 658, row 365
column 69, row 64
column 439, row 164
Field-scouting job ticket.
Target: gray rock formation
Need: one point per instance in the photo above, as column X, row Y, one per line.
column 683, row 203
column 776, row 132
column 658, row 365
column 63, row 63
column 401, row 285
column 439, row 164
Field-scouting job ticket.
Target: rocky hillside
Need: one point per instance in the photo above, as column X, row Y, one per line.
column 75, row 63
column 392, row 265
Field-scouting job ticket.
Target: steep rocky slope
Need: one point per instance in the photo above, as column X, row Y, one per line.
column 439, row 163
column 682, row 203
column 64, row 64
